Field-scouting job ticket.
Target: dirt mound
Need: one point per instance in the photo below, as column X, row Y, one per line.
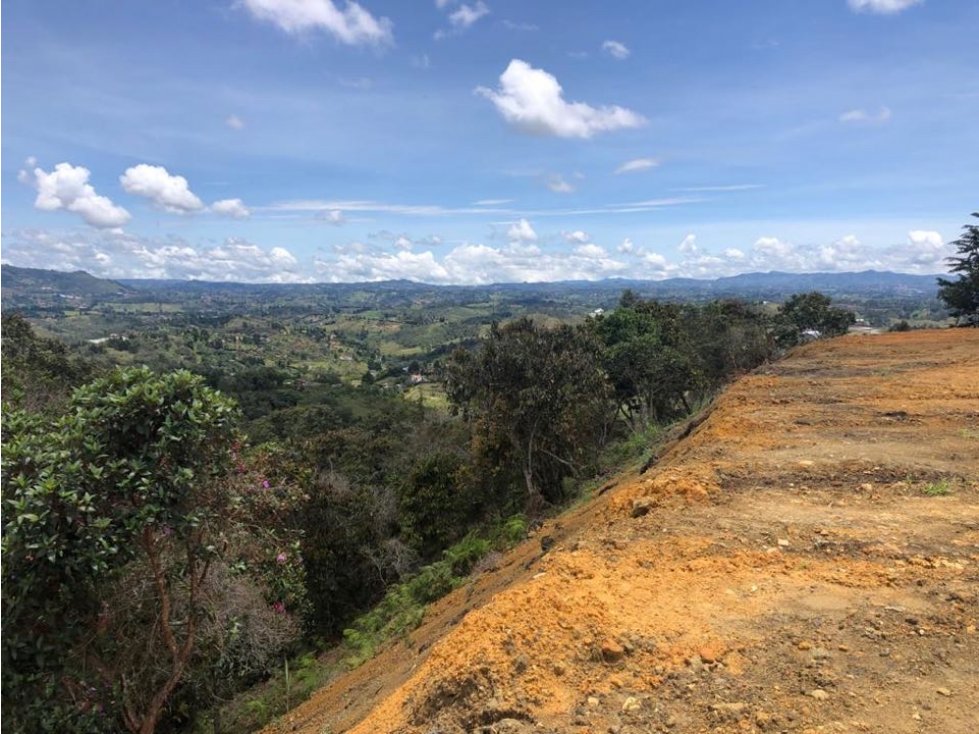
column 805, row 560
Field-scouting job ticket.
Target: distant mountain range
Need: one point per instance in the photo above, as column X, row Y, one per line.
column 29, row 283
column 34, row 282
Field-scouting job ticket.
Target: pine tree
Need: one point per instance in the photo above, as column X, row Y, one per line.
column 962, row 296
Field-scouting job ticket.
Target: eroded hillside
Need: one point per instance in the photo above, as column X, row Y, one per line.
column 806, row 560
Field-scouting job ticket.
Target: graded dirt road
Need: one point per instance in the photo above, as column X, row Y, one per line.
column 806, row 560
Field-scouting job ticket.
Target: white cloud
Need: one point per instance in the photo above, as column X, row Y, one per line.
column 843, row 254
column 67, row 187
column 491, row 202
column 772, row 246
column 577, row 236
column 115, row 254
column 864, row 117
column 403, row 243
column 532, row 100
column 627, row 246
column 555, row 183
column 281, row 256
column 926, row 247
column 462, row 18
column 637, row 164
column 656, row 262
column 688, row 245
column 465, row 15
column 165, row 190
column 733, row 253
column 616, row 50
column 333, row 216
column 882, row 7
column 234, row 208
column 234, row 122
column 361, row 267
column 521, row 232
column 558, row 185
column 590, row 250
column 353, row 25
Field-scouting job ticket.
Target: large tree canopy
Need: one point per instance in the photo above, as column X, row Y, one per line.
column 120, row 492
column 536, row 398
column 961, row 296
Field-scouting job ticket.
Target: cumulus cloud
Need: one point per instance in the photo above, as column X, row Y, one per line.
column 234, row 208
column 521, row 232
column 559, row 185
column 465, row 15
column 637, row 164
column 616, row 50
column 688, row 245
column 843, row 254
column 577, row 236
column 115, row 254
column 462, row 18
column 234, row 122
column 772, row 246
column 403, row 243
column 67, row 187
column 733, row 253
column 359, row 267
column 926, row 247
column 472, row 263
column 882, row 7
column 656, row 262
column 627, row 246
column 861, row 116
column 533, row 101
column 156, row 183
column 591, row 250
column 332, row 216
column 353, row 25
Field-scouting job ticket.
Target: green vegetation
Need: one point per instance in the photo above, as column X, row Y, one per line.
column 808, row 315
column 962, row 295
column 290, row 470
column 937, row 489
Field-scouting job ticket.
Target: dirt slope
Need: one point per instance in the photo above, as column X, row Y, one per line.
column 785, row 568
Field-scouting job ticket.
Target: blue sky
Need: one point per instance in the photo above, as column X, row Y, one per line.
column 481, row 141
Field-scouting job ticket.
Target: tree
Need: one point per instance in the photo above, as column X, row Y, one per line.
column 121, row 498
column 537, row 402
column 38, row 373
column 648, row 360
column 962, row 296
column 811, row 312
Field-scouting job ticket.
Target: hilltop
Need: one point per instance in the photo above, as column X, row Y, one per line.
column 23, row 283
column 803, row 557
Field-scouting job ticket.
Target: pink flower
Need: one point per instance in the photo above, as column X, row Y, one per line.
column 279, row 607
column 281, row 558
column 265, row 484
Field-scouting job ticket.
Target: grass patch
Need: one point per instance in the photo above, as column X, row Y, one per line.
column 403, row 606
column 260, row 705
column 937, row 489
column 631, row 451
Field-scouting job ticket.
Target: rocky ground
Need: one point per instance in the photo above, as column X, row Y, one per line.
column 806, row 560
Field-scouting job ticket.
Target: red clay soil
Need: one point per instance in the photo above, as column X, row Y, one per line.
column 806, row 560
